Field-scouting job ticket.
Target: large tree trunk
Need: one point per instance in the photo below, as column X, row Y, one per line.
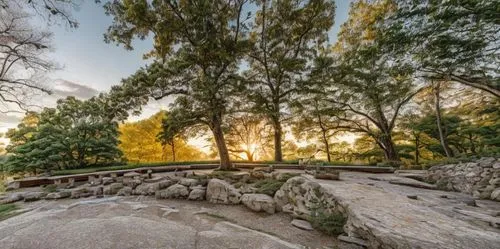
column 278, row 153
column 225, row 163
column 442, row 137
column 388, row 147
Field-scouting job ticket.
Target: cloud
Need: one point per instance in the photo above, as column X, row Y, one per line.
column 60, row 89
column 63, row 88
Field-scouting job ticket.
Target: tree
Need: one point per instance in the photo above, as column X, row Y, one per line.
column 48, row 9
column 248, row 137
column 197, row 46
column 449, row 40
column 365, row 86
column 74, row 134
column 316, row 120
column 22, row 58
column 284, row 34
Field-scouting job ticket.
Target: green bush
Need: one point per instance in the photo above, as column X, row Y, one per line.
column 268, row 186
column 50, row 188
column 329, row 223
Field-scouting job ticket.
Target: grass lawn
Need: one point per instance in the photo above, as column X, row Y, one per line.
column 6, row 211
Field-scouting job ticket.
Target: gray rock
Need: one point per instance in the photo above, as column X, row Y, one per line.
column 219, row 191
column 495, row 195
column 353, row 240
column 113, row 188
column 81, row 192
column 131, row 175
column 151, row 188
column 107, row 180
column 302, row 224
column 12, row 198
column 125, row 191
column 259, row 203
column 174, row 191
column 133, row 183
column 197, row 194
column 188, row 182
column 12, row 185
column 34, row 196
column 58, row 195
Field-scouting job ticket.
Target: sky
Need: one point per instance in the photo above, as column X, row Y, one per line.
column 89, row 65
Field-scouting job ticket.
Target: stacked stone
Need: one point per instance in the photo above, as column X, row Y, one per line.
column 480, row 178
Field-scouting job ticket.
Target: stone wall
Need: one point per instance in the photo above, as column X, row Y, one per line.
column 480, row 178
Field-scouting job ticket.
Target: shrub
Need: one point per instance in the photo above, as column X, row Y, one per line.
column 50, row 188
column 329, row 223
column 268, row 186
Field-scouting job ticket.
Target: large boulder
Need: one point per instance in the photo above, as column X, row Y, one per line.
column 197, row 194
column 219, row 191
column 299, row 197
column 113, row 188
column 174, row 191
column 259, row 203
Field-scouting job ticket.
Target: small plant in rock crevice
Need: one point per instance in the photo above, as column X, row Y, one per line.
column 268, row 186
column 330, row 222
column 50, row 188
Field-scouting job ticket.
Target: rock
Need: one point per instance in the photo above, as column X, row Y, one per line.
column 263, row 169
column 174, row 191
column 58, row 195
column 259, row 202
column 496, row 165
column 81, row 192
column 247, row 189
column 107, row 180
column 168, row 212
column 93, row 181
column 12, row 185
column 413, row 197
column 188, row 182
column 486, row 162
column 258, row 174
column 99, row 191
column 411, row 183
column 299, row 197
column 133, row 183
column 113, row 188
column 34, row 196
column 131, row 175
column 151, row 188
column 326, row 175
column 125, row 191
column 302, row 224
column 12, row 198
column 219, row 191
column 353, row 240
column 495, row 195
column 197, row 194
